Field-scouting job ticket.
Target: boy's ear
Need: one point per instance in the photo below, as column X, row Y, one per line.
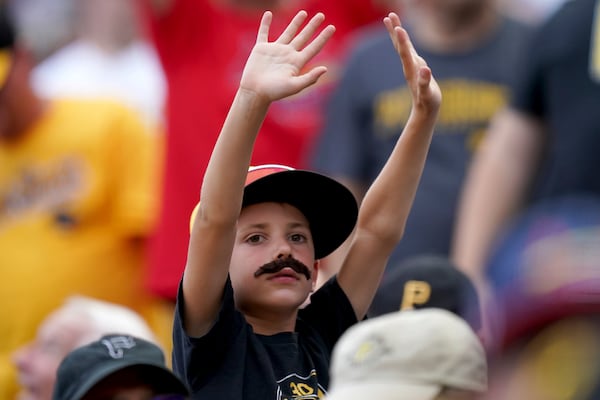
column 315, row 274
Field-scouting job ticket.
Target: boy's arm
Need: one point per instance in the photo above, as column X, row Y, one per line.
column 272, row 72
column 387, row 203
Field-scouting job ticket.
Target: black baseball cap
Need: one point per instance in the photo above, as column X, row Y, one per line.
column 428, row 281
column 330, row 208
column 87, row 366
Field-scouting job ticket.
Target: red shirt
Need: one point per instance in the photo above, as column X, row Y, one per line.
column 203, row 48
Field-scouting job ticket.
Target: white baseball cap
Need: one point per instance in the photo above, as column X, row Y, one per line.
column 411, row 354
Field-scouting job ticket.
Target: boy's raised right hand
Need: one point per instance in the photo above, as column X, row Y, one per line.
column 274, row 70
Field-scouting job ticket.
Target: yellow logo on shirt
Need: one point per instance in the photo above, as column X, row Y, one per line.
column 296, row 387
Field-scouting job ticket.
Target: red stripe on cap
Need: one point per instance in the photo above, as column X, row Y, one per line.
column 260, row 171
column 254, row 174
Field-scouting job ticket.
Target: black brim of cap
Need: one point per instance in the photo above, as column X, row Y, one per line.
column 165, row 380
column 329, row 207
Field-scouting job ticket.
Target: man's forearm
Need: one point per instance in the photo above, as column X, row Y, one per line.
column 496, row 188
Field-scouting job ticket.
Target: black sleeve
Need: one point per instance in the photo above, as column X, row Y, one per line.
column 553, row 43
column 527, row 88
column 195, row 359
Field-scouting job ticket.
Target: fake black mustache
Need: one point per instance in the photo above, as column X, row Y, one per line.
column 281, row 263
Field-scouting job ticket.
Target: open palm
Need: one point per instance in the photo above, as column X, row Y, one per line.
column 273, row 69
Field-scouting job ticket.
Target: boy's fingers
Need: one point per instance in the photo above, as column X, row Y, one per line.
column 395, row 19
column 309, row 30
column 388, row 25
column 421, row 61
column 263, row 30
column 288, row 34
column 318, row 43
column 391, row 22
column 407, row 54
column 416, row 71
column 424, row 78
column 392, row 32
column 407, row 43
column 300, row 82
column 311, row 76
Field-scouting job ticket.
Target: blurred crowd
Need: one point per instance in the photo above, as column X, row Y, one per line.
column 109, row 111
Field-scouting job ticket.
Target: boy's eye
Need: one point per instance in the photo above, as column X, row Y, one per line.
column 254, row 239
column 297, row 237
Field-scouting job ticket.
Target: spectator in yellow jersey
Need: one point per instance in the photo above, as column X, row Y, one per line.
column 78, row 184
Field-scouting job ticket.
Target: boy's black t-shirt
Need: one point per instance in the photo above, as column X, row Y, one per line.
column 232, row 362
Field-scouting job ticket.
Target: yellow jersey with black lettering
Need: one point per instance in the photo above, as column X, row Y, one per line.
column 77, row 193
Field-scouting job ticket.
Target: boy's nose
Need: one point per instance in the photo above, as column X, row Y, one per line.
column 283, row 249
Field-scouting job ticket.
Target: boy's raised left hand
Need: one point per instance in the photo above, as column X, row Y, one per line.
column 426, row 93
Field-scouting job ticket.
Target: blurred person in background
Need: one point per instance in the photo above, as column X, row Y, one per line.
column 108, row 54
column 203, row 46
column 48, row 24
column 531, row 12
column 545, row 144
column 77, row 322
column 473, row 50
column 118, row 367
column 554, row 244
column 78, row 198
column 555, row 360
column 544, row 315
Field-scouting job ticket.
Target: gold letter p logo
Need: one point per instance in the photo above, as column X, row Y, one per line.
column 415, row 292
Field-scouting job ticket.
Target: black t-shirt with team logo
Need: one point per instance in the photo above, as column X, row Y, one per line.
column 232, row 362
